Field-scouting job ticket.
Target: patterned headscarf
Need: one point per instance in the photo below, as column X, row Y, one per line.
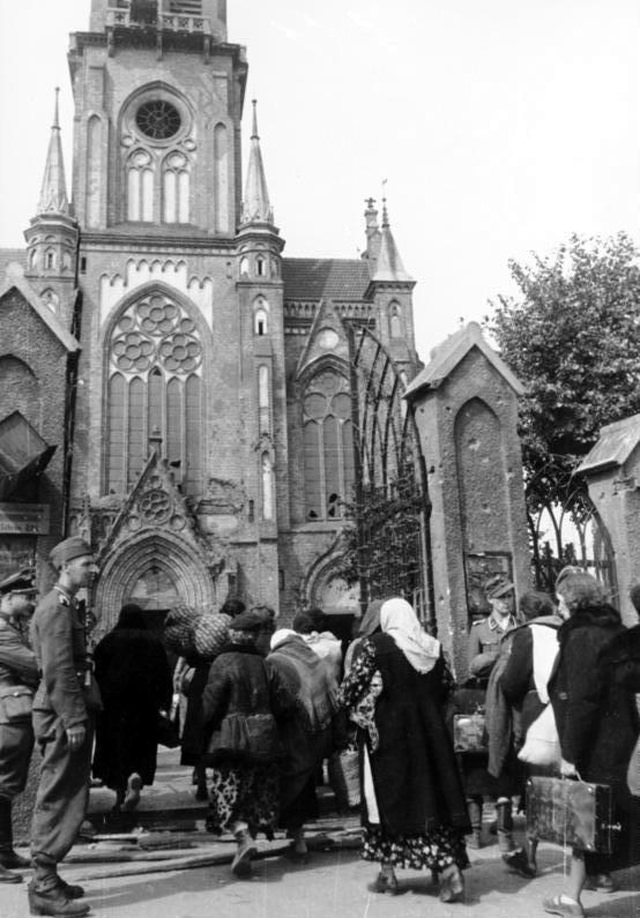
column 398, row 620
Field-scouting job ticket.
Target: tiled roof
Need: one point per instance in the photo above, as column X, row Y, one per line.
column 325, row 278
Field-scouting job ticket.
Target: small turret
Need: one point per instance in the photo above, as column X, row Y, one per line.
column 256, row 207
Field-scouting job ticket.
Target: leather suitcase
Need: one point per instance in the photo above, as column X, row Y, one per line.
column 469, row 734
column 571, row 813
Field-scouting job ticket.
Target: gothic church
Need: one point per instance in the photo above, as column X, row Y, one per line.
column 173, row 387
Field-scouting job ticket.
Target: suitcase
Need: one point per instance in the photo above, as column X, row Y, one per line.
column 469, row 733
column 571, row 813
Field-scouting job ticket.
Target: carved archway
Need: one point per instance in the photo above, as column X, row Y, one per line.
column 130, row 559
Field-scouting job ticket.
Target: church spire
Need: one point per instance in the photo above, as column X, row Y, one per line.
column 53, row 193
column 389, row 266
column 256, row 207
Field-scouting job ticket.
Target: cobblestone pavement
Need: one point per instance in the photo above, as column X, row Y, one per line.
column 333, row 884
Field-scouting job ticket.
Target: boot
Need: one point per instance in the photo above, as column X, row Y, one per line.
column 474, row 809
column 241, row 864
column 8, row 857
column 7, row 877
column 54, row 902
column 505, row 826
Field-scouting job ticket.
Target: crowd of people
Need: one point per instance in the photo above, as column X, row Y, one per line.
column 264, row 706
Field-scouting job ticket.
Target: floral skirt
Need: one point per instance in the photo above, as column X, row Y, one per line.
column 246, row 793
column 434, row 850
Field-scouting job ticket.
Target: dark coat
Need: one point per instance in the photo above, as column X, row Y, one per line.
column 596, row 716
column 133, row 673
column 191, row 741
column 414, row 769
column 238, row 684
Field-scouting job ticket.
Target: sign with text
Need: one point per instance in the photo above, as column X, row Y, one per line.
column 24, row 519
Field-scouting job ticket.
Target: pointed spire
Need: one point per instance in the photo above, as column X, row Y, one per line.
column 389, row 266
column 256, row 206
column 53, row 193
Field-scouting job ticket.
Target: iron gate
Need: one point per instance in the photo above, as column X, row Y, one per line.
column 392, row 507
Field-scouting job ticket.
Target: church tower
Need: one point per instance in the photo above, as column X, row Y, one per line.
column 178, row 442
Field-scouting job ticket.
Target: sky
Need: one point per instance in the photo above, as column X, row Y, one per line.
column 499, row 127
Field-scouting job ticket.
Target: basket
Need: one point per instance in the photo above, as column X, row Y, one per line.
column 344, row 777
column 179, row 629
column 211, row 634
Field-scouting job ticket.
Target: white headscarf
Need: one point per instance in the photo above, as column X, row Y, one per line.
column 398, row 620
column 280, row 636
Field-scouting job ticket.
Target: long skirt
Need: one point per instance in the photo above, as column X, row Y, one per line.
column 244, row 793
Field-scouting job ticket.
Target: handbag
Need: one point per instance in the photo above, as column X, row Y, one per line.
column 469, row 733
column 16, row 704
column 249, row 737
column 542, row 744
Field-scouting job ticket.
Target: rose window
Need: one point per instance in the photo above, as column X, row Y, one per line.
column 158, row 119
column 156, row 332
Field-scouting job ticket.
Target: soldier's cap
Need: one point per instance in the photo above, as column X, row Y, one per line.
column 497, row 587
column 65, row 551
column 21, row 582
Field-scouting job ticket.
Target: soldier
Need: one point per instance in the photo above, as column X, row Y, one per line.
column 483, row 650
column 63, row 714
column 486, row 634
column 18, row 679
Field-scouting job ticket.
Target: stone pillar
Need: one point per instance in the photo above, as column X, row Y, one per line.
column 465, row 402
column 612, row 473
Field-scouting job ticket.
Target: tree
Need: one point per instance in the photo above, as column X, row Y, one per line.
column 573, row 338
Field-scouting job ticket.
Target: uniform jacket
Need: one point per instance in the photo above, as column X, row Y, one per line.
column 58, row 640
column 17, row 661
column 484, row 645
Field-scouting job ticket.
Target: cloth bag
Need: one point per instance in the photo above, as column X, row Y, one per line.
column 344, row 777
column 16, row 704
column 251, row 738
column 542, row 745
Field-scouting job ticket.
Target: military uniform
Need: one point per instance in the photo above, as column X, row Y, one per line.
column 17, row 668
column 484, row 644
column 58, row 639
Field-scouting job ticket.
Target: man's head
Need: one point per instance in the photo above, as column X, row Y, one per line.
column 17, row 595
column 499, row 591
column 73, row 559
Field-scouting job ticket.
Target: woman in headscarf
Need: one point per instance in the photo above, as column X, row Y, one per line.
column 369, row 624
column 133, row 673
column 308, row 691
column 241, row 740
column 414, row 812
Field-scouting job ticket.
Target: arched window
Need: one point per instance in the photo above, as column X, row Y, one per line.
column 267, row 487
column 175, row 189
column 264, row 400
column 261, row 316
column 260, row 266
column 395, row 321
column 155, row 381
column 244, row 267
column 140, row 170
column 328, row 446
column 50, row 259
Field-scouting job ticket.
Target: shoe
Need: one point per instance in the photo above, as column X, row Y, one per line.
column 451, row 884
column 518, row 862
column 71, row 890
column 132, row 796
column 556, row 906
column 13, row 861
column 7, row 877
column 385, row 883
column 54, row 902
column 241, row 864
column 601, row 882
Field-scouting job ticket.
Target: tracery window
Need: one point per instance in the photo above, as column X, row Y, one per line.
column 175, row 197
column 328, row 446
column 155, row 382
column 140, row 179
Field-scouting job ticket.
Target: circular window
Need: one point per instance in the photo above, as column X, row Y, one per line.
column 158, row 119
